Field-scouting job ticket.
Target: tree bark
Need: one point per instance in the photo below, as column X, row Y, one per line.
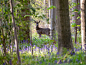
column 64, row 32
column 83, row 24
column 53, row 20
column 27, row 19
column 15, row 32
column 74, row 18
column 49, row 12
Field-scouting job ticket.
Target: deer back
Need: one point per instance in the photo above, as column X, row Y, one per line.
column 43, row 31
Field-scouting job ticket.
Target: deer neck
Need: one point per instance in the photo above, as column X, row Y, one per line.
column 37, row 27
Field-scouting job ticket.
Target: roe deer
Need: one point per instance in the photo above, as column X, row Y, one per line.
column 42, row 30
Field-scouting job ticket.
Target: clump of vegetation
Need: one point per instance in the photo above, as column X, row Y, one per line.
column 45, row 54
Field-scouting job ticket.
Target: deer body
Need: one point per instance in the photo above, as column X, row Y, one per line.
column 42, row 30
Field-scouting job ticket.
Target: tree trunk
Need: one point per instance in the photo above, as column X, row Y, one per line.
column 83, row 23
column 49, row 12
column 15, row 32
column 53, row 20
column 27, row 19
column 64, row 33
column 74, row 18
column 79, row 21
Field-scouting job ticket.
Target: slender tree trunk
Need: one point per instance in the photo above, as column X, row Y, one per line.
column 75, row 15
column 31, row 40
column 53, row 20
column 83, row 23
column 74, row 18
column 15, row 32
column 64, row 33
column 49, row 12
column 79, row 15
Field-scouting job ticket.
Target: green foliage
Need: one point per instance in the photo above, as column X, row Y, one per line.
column 27, row 16
column 78, row 17
column 75, row 10
column 51, row 7
column 73, row 5
column 4, row 59
column 78, row 25
column 73, row 24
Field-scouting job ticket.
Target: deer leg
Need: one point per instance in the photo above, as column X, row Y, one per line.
column 48, row 34
column 39, row 35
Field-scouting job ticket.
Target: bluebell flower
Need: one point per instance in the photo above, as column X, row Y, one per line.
column 7, row 50
column 76, row 49
column 35, row 49
column 77, row 60
column 65, row 61
column 48, row 63
column 67, row 49
column 72, row 53
column 30, row 44
column 85, row 47
column 41, row 49
column 81, row 47
column 55, row 61
column 53, row 46
column 60, row 62
column 57, row 53
column 20, row 50
column 40, row 62
column 14, row 45
column 24, row 41
column 4, row 63
column 25, row 48
column 10, row 46
column 44, row 45
column 21, row 42
column 48, row 52
column 56, row 48
column 34, row 39
column 10, row 62
column 47, row 48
